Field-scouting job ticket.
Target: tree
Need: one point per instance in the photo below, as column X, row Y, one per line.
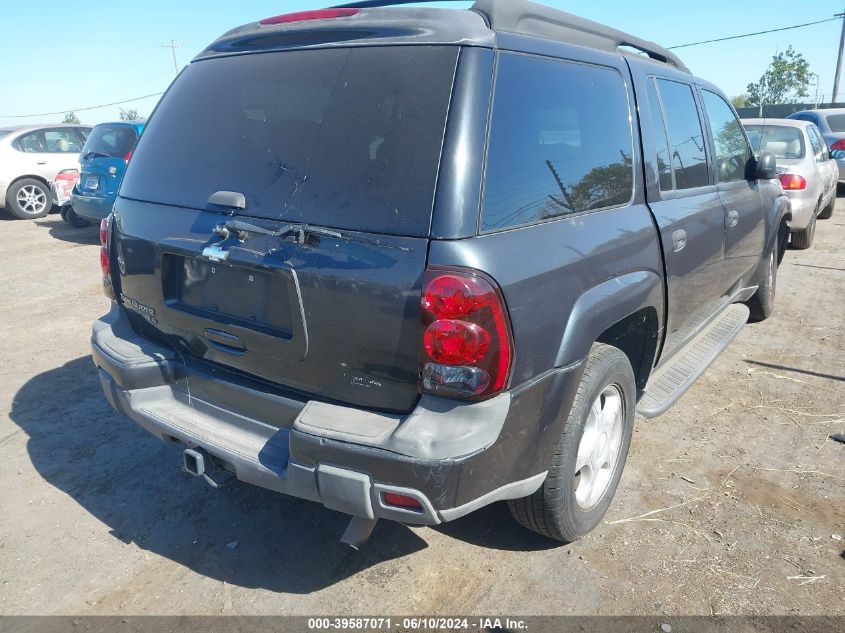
column 129, row 115
column 71, row 118
column 740, row 101
column 785, row 81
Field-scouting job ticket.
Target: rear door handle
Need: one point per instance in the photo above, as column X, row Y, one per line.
column 679, row 240
column 733, row 219
column 41, row 162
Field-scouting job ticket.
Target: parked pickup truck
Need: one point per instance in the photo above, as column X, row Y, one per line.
column 408, row 262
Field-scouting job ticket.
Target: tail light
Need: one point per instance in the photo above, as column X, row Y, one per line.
column 793, row 182
column 840, row 144
column 105, row 260
column 128, row 156
column 320, row 14
column 466, row 349
column 401, row 501
column 68, row 175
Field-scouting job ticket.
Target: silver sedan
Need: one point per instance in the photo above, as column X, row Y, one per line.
column 806, row 170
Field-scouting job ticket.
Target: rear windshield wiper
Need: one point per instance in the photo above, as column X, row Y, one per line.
column 300, row 232
column 95, row 155
column 240, row 229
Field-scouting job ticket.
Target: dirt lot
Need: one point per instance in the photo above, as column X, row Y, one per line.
column 730, row 503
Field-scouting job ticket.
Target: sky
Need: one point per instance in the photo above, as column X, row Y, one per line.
column 62, row 56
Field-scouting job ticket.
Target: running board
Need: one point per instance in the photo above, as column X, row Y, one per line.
column 668, row 383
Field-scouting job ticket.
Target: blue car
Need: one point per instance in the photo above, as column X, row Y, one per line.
column 102, row 164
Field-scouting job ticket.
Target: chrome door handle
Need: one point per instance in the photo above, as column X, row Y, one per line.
column 679, row 240
column 733, row 219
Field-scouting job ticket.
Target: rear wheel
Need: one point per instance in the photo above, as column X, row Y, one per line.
column 590, row 455
column 827, row 212
column 802, row 240
column 29, row 198
column 70, row 216
column 762, row 304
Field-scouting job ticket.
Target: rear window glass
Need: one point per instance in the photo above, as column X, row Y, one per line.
column 343, row 138
column 783, row 142
column 111, row 140
column 836, row 122
column 560, row 142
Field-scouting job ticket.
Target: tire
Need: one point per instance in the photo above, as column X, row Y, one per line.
column 827, row 212
column 29, row 198
column 802, row 240
column 70, row 216
column 762, row 304
column 567, row 507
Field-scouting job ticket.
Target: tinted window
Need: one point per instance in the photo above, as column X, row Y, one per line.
column 782, row 141
column 689, row 162
column 732, row 151
column 62, row 141
column 560, row 142
column 111, row 140
column 662, row 163
column 836, row 122
column 344, row 138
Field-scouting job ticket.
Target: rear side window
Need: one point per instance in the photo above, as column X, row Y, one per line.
column 31, row 143
column 115, row 141
column 662, row 162
column 836, row 122
column 344, row 138
column 732, row 151
column 782, row 141
column 689, row 162
column 560, row 142
column 819, row 145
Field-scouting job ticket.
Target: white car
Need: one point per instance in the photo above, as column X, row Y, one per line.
column 806, row 169
column 31, row 157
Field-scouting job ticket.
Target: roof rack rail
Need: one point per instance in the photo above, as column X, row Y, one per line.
column 529, row 18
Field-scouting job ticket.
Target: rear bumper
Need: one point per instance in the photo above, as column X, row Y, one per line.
column 802, row 212
column 91, row 207
column 452, row 457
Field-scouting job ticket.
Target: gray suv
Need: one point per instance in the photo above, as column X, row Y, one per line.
column 408, row 262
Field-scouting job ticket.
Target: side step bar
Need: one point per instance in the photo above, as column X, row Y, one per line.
column 671, row 381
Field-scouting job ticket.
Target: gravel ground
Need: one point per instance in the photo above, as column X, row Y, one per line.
column 731, row 503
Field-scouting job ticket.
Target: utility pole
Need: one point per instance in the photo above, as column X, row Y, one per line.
column 173, row 46
column 839, row 59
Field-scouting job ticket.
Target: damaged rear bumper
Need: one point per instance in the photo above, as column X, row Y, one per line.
column 452, row 457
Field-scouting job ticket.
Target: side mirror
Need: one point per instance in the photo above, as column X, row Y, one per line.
column 837, row 154
column 766, row 166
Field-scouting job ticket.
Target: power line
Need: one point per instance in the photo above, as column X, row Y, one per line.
column 104, row 105
column 736, row 37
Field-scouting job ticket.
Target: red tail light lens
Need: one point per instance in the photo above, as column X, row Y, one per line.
column 840, row 144
column 105, row 260
column 68, row 175
column 467, row 348
column 301, row 16
column 793, row 182
column 401, row 501
column 128, row 156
